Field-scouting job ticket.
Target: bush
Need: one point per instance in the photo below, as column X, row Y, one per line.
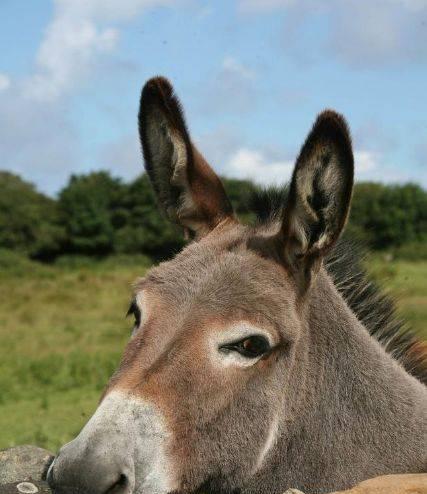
column 98, row 215
column 415, row 251
column 86, row 205
column 389, row 216
column 29, row 221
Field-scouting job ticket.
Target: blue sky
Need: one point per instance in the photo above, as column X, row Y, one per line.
column 252, row 75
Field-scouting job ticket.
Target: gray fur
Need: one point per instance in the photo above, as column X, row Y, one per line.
column 348, row 410
column 325, row 408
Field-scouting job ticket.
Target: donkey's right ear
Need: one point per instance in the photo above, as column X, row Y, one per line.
column 187, row 189
column 319, row 196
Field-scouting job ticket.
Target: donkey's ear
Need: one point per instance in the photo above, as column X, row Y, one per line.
column 187, row 189
column 320, row 194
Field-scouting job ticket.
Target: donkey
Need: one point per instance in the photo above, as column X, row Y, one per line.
column 250, row 369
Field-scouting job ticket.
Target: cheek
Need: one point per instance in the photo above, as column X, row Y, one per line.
column 193, row 389
column 219, row 417
column 219, row 428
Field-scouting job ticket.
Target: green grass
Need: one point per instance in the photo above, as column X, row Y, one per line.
column 62, row 331
column 406, row 281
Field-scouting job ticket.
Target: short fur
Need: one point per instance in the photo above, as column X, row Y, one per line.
column 323, row 408
column 187, row 188
column 375, row 309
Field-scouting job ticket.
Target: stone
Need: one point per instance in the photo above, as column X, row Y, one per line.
column 27, row 488
column 23, row 469
column 23, row 464
column 36, row 487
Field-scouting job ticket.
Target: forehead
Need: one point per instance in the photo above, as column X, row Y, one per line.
column 222, row 274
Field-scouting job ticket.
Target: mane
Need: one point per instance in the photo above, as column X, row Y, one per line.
column 374, row 308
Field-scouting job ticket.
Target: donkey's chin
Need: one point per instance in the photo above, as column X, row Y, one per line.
column 119, row 451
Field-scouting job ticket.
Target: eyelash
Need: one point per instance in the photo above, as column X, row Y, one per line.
column 134, row 309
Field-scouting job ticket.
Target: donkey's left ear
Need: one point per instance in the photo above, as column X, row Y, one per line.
column 319, row 196
column 187, row 188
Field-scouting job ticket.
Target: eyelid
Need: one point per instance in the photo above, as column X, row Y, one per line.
column 241, row 340
column 240, row 331
column 238, row 346
column 132, row 308
column 135, row 310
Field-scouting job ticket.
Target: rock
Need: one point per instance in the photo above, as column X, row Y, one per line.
column 23, row 463
column 22, row 470
column 36, row 487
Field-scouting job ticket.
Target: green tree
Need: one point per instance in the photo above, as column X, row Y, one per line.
column 389, row 215
column 96, row 214
column 29, row 220
column 87, row 204
column 139, row 225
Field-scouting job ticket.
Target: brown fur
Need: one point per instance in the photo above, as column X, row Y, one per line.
column 325, row 407
column 194, row 197
column 220, row 280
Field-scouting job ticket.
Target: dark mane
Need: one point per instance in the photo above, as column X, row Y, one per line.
column 374, row 309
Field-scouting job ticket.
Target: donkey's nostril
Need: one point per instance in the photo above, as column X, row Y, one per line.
column 98, row 469
column 98, row 478
column 121, row 485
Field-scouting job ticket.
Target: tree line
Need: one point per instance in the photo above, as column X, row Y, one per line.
column 97, row 214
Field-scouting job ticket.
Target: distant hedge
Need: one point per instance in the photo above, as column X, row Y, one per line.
column 97, row 215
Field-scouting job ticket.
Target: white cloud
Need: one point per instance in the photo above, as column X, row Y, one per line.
column 231, row 89
column 38, row 139
column 260, row 5
column 218, row 145
column 382, row 32
column 4, row 82
column 229, row 157
column 232, row 66
column 365, row 161
column 123, row 156
column 107, row 10
column 257, row 165
column 377, row 167
column 251, row 164
column 375, row 136
column 66, row 56
column 204, row 12
column 264, row 5
column 362, row 33
column 411, row 4
column 420, row 153
column 80, row 32
column 374, row 166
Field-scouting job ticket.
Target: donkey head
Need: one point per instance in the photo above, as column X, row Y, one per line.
column 214, row 371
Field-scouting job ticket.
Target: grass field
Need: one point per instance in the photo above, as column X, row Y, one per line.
column 62, row 330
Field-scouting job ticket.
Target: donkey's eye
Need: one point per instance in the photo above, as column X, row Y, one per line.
column 251, row 347
column 134, row 309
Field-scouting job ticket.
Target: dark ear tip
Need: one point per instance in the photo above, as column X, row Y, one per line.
column 160, row 106
column 332, row 124
column 156, row 89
